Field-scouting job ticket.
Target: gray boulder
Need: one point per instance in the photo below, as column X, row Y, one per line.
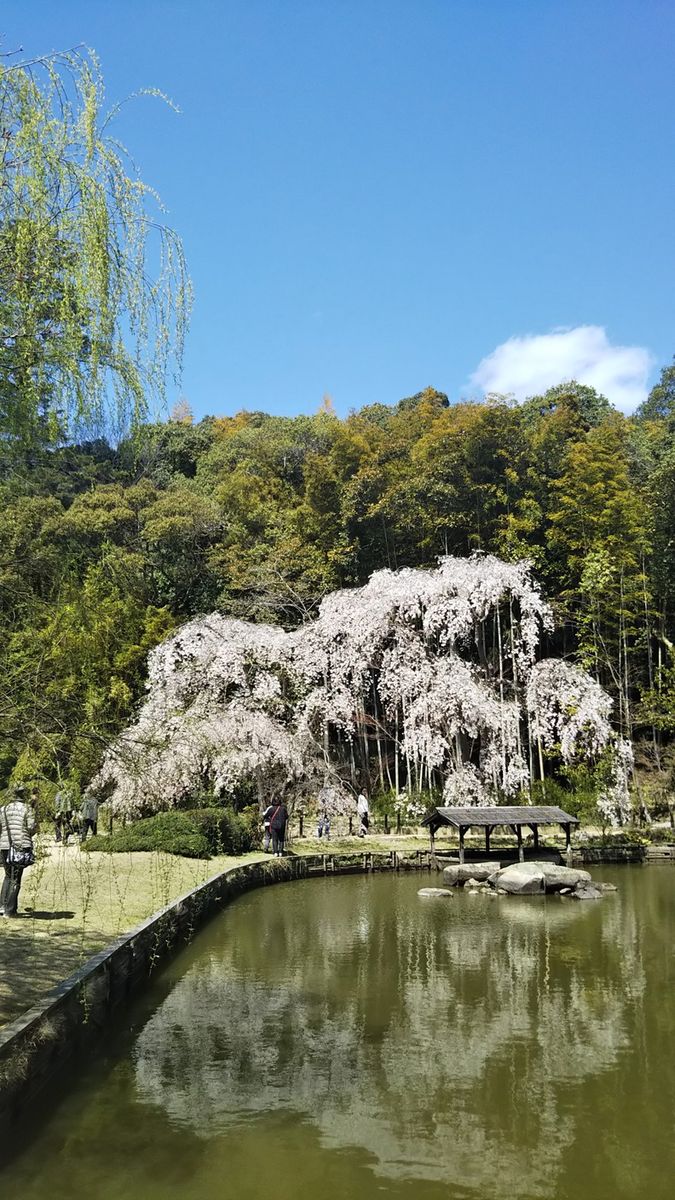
column 520, row 879
column 435, row 893
column 557, row 877
column 459, row 873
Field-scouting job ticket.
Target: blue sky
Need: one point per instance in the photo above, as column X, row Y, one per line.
column 378, row 196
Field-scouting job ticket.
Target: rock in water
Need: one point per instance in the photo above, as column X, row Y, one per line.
column 520, row 879
column 458, row 873
column 586, row 891
column 434, row 893
column 557, row 877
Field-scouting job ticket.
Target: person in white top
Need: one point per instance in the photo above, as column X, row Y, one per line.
column 363, row 813
column 17, row 826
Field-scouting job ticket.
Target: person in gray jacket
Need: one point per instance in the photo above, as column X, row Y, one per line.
column 17, row 826
column 64, row 808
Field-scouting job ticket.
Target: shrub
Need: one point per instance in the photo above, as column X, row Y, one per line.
column 618, row 837
column 658, row 836
column 193, row 833
column 579, row 800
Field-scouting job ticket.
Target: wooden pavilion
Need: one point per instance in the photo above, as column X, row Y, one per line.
column 512, row 817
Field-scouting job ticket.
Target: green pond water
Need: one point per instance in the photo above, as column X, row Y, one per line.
column 342, row 1039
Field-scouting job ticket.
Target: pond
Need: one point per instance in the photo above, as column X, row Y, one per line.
column 343, row 1038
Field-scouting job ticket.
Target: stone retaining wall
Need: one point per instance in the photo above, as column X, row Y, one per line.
column 661, row 853
column 626, row 852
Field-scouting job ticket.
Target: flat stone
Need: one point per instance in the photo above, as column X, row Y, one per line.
column 434, row 893
column 586, row 891
column 520, row 879
column 458, row 873
column 605, row 887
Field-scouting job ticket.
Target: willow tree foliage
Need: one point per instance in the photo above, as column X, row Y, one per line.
column 94, row 293
column 420, row 679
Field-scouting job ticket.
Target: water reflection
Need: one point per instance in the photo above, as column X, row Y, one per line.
column 467, row 1043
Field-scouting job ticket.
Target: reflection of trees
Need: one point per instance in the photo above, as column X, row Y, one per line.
column 442, row 1039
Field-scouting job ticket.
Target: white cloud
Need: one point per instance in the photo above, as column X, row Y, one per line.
column 527, row 366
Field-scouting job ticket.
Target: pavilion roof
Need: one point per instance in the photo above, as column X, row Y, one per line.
column 500, row 814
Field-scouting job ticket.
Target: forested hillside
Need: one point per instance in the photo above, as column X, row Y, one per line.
column 105, row 549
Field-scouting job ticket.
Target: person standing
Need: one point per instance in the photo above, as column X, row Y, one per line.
column 63, row 814
column 267, row 832
column 324, row 809
column 278, row 823
column 88, row 816
column 323, row 827
column 17, row 826
column 363, row 813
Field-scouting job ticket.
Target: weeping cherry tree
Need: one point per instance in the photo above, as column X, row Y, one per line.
column 421, row 679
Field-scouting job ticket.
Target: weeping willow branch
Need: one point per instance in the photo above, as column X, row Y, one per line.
column 94, row 290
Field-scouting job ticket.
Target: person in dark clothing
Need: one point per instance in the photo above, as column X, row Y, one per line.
column 88, row 816
column 17, row 826
column 278, row 822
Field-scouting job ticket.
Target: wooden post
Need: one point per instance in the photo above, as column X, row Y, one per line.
column 535, row 835
column 568, row 844
column 519, row 835
column 350, row 826
column 461, row 844
column 398, row 822
column 488, row 831
column 300, row 833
